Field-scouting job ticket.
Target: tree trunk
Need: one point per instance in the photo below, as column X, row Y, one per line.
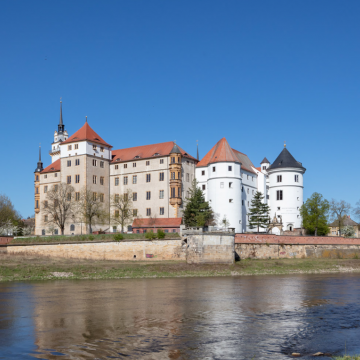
column 62, row 231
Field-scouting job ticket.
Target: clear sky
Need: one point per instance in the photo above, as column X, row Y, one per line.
column 256, row 72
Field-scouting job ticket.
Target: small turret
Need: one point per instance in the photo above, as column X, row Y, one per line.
column 39, row 167
column 175, row 178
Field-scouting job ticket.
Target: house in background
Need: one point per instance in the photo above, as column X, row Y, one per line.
column 334, row 226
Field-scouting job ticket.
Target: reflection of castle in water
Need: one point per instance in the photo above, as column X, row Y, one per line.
column 166, row 318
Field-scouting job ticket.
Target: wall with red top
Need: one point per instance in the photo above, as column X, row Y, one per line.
column 294, row 240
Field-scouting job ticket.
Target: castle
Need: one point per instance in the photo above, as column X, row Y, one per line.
column 160, row 176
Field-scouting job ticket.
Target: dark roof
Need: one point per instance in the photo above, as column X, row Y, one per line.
column 346, row 222
column 265, row 161
column 285, row 160
column 175, row 150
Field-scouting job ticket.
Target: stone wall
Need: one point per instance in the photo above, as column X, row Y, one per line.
column 123, row 250
column 283, row 251
column 210, row 248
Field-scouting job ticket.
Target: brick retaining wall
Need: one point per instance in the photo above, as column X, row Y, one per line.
column 5, row 239
column 294, row 240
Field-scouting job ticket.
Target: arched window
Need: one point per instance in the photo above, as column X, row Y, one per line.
column 72, row 227
column 43, row 232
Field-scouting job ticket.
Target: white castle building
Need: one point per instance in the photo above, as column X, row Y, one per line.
column 229, row 181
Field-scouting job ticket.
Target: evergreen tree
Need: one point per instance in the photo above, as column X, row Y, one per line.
column 197, row 211
column 314, row 215
column 259, row 212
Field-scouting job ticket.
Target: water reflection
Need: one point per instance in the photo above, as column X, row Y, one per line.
column 264, row 317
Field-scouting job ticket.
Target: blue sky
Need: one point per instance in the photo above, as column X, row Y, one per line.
column 255, row 72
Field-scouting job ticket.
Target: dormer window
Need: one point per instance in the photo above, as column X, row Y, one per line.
column 118, row 159
column 156, row 154
column 137, row 157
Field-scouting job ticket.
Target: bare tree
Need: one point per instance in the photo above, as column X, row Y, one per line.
column 59, row 205
column 338, row 210
column 357, row 210
column 122, row 209
column 91, row 209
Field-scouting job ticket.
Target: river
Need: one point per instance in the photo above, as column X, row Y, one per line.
column 254, row 317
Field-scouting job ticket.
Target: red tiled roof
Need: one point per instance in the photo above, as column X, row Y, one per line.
column 258, row 168
column 147, row 151
column 219, row 153
column 55, row 166
column 86, row 133
column 158, row 223
column 222, row 152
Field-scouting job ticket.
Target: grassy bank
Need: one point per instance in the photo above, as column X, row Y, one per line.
column 347, row 357
column 81, row 238
column 20, row 267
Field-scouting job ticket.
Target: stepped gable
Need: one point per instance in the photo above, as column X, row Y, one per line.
column 221, row 152
column 86, row 133
column 55, row 166
column 285, row 160
column 147, row 151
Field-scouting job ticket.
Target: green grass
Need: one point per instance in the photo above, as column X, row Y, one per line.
column 25, row 267
column 347, row 357
column 80, row 238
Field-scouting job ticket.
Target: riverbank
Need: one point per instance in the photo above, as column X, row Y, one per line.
column 20, row 268
column 348, row 357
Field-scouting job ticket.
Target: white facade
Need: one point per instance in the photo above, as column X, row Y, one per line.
column 230, row 186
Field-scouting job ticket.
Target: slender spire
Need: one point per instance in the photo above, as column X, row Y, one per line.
column 61, row 126
column 39, row 164
column 197, row 148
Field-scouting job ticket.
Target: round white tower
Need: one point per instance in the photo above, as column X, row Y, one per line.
column 286, row 189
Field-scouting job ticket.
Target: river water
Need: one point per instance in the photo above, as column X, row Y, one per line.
column 254, row 317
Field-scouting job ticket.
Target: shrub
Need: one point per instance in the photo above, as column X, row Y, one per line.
column 91, row 237
column 118, row 237
column 160, row 234
column 150, row 235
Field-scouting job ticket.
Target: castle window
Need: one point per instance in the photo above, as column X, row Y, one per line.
column 69, row 163
column 172, row 192
column 162, row 212
column 94, row 179
column 230, row 185
column 37, row 190
column 147, row 163
column 296, row 178
column 148, row 195
column 179, row 160
column 248, row 203
column 279, row 195
column 264, row 167
column 68, row 178
column 179, row 175
column 45, row 204
column 221, row 185
column 134, row 164
column 247, row 190
column 76, row 146
column 125, row 180
column 77, row 179
column 148, row 177
column 55, row 174
column 72, row 227
column 116, row 213
column 55, row 187
column 173, row 175
column 242, row 189
column 68, row 197
column 94, row 147
column 102, row 149
column 179, row 192
column 46, row 218
column 94, row 162
column 214, row 169
column 161, row 176
column 247, row 177
column 279, row 178
column 161, row 161
column 102, row 197
column 77, row 196
column 117, row 181
column 77, row 162
column 231, row 200
column 187, row 177
column 94, row 196
column 134, row 196
column 45, row 176
column 69, row 147
column 278, row 208
column 173, row 160
column 43, row 232
column 253, row 192
column 116, row 198
column 37, row 204
column 116, row 167
column 135, row 213
column 37, row 177
column 242, row 202
column 204, row 187
column 148, row 212
column 230, row 168
column 125, row 166
column 101, row 164
column 101, row 180
column 203, row 172
column 267, row 197
column 134, row 179
column 161, row 194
